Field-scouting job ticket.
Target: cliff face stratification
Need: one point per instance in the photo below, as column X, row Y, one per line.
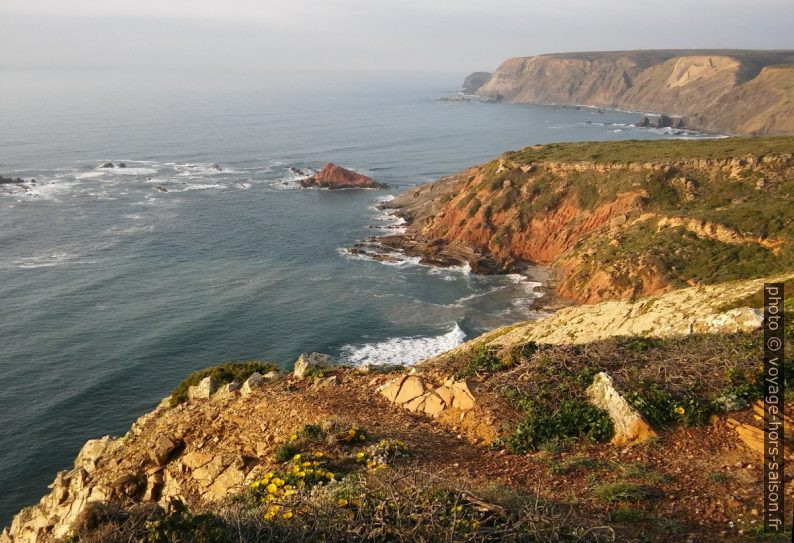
column 613, row 220
column 734, row 92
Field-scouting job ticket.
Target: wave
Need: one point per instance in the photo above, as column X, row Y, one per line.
column 44, row 261
column 402, row 350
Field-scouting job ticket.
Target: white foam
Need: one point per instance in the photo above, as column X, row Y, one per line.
column 44, row 261
column 130, row 170
column 402, row 350
column 89, row 175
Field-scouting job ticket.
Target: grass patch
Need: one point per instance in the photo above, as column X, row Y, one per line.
column 222, row 374
column 573, row 464
column 623, row 492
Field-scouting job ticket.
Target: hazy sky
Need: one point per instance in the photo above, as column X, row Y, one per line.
column 430, row 35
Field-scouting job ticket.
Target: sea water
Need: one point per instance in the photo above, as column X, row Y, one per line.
column 115, row 283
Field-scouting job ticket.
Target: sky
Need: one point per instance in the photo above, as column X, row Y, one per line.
column 450, row 36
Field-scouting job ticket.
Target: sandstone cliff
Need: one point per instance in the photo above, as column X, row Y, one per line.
column 474, row 417
column 613, row 220
column 734, row 92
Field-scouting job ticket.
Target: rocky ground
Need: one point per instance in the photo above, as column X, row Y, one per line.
column 454, row 419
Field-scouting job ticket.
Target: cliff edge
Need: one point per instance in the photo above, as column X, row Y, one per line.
column 726, row 91
column 577, row 427
column 612, row 220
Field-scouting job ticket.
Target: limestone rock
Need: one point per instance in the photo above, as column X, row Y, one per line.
column 91, row 453
column 434, row 405
column 417, row 404
column 392, row 388
column 311, row 360
column 203, row 390
column 410, row 389
column 162, row 449
column 630, row 426
column 745, row 319
column 253, row 382
column 445, row 393
column 271, row 374
column 462, row 398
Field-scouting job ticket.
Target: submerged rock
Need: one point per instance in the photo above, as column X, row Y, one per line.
column 333, row 176
column 108, row 165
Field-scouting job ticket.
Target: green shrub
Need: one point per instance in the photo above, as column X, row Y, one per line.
column 474, row 207
column 485, row 359
column 573, row 418
column 223, row 373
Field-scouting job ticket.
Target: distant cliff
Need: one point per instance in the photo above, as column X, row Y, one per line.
column 613, row 220
column 735, row 92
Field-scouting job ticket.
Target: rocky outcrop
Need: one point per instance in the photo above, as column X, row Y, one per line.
column 10, row 180
column 475, row 81
column 679, row 313
column 610, row 220
column 416, row 395
column 337, row 177
column 737, row 92
column 308, row 362
column 630, row 426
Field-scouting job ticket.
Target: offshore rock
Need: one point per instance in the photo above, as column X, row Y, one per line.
column 333, row 176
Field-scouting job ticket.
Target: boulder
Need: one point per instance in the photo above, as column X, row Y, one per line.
column 392, row 388
column 162, row 449
column 311, row 360
column 203, row 390
column 108, row 165
column 434, row 405
column 630, row 426
column 253, row 382
column 411, row 388
column 121, row 165
column 333, row 176
column 462, row 398
column 89, row 456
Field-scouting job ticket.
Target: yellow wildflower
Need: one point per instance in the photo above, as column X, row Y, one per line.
column 680, row 410
column 287, row 515
column 272, row 488
column 301, row 474
column 360, row 455
column 297, row 457
column 342, row 502
column 329, row 474
column 293, row 437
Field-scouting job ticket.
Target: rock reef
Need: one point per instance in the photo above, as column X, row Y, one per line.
column 333, row 176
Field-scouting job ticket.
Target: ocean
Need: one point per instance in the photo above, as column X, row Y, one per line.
column 115, row 283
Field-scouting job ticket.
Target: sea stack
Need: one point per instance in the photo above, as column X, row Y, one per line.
column 333, row 176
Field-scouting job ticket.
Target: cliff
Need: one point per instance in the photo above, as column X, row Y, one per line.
column 733, row 92
column 474, row 81
column 613, row 220
column 499, row 439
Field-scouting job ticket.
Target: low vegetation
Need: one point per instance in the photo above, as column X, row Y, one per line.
column 222, row 374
